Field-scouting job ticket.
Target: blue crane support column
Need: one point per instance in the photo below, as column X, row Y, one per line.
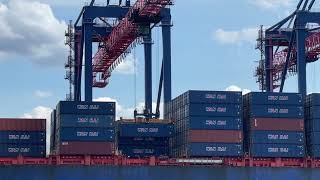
column 147, row 41
column 301, row 59
column 88, row 26
column 268, row 65
column 166, row 38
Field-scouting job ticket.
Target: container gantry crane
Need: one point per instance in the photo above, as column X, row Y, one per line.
column 133, row 25
column 288, row 46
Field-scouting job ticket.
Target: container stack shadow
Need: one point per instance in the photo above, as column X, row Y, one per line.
column 138, row 139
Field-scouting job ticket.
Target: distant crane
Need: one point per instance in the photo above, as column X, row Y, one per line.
column 117, row 29
column 297, row 42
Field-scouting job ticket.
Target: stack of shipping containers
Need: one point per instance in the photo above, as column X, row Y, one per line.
column 274, row 124
column 206, row 124
column 85, row 128
column 312, row 120
column 144, row 139
column 22, row 137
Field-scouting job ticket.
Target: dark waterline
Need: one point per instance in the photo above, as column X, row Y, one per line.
column 154, row 173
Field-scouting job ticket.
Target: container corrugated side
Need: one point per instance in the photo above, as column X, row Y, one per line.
column 220, row 110
column 156, row 141
column 214, row 150
column 314, row 99
column 7, row 124
column 88, row 108
column 276, row 150
column 314, row 112
column 145, row 130
column 276, row 111
column 277, row 124
column 214, row 123
column 25, row 137
column 215, row 136
column 214, row 97
column 276, row 137
column 312, row 125
column 272, row 98
column 144, row 151
column 313, row 138
column 314, row 150
column 78, row 120
column 87, row 134
column 86, row 148
column 13, row 150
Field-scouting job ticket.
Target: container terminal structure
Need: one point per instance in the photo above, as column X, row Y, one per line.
column 200, row 130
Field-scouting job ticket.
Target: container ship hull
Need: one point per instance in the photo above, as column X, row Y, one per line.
column 155, row 173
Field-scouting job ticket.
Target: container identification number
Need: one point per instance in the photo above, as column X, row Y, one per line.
column 216, row 109
column 90, row 107
column 146, row 130
column 216, row 122
column 16, row 150
column 17, row 137
column 214, row 149
column 277, row 136
column 275, row 150
column 85, row 134
column 276, row 98
column 215, row 96
column 278, row 111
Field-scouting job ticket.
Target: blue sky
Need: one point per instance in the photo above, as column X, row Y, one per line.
column 212, row 48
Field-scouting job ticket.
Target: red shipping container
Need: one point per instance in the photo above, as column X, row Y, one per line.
column 7, row 124
column 86, row 148
column 215, row 136
column 277, row 124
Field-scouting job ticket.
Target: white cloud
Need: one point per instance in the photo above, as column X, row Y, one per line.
column 41, row 112
column 248, row 35
column 127, row 66
column 29, row 29
column 237, row 88
column 42, row 94
column 127, row 112
column 270, row 4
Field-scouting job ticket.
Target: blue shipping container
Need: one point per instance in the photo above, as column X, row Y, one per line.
column 145, row 130
column 73, row 120
column 277, row 137
column 314, row 151
column 312, row 125
column 27, row 137
column 313, row 138
column 88, row 108
column 314, row 99
column 87, row 134
column 142, row 151
column 220, row 110
column 214, row 149
column 276, row 150
column 276, row 111
column 215, row 123
column 156, row 141
column 13, row 150
column 272, row 98
column 314, row 112
column 214, row 97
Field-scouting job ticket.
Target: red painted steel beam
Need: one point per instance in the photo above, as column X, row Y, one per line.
column 279, row 59
column 120, row 39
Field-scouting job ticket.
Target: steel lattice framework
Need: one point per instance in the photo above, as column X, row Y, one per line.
column 110, row 53
column 296, row 45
